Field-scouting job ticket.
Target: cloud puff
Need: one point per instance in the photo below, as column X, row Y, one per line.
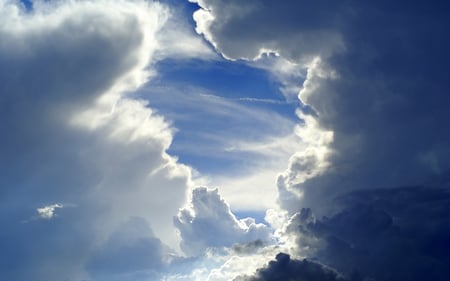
column 208, row 222
column 48, row 212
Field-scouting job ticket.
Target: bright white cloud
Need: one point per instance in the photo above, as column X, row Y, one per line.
column 48, row 212
column 73, row 135
column 209, row 223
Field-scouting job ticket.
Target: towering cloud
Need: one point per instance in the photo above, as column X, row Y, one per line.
column 378, row 82
column 71, row 135
column 375, row 96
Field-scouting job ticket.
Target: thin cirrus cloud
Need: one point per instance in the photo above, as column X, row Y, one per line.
column 100, row 99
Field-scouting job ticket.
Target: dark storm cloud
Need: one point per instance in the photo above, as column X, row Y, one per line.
column 381, row 84
column 294, row 28
column 284, row 268
column 78, row 157
column 385, row 234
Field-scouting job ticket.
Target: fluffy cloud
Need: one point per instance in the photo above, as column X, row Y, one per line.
column 48, row 212
column 71, row 134
column 208, row 223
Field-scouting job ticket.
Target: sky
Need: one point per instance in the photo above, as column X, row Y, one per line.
column 224, row 140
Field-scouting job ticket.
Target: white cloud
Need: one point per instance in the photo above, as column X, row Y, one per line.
column 48, row 212
column 73, row 134
column 209, row 223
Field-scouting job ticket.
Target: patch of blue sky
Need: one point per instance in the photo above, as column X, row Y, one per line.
column 28, row 4
column 214, row 104
column 233, row 80
column 258, row 216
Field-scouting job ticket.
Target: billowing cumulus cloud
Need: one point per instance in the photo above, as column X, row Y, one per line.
column 372, row 112
column 373, row 115
column 72, row 135
column 209, row 223
column 296, row 30
column 368, row 88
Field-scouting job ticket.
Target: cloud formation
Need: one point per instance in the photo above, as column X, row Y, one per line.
column 48, row 212
column 72, row 134
column 367, row 81
column 375, row 94
column 383, row 234
column 209, row 223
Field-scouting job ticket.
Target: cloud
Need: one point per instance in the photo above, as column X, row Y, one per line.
column 48, row 212
column 247, row 30
column 367, row 82
column 208, row 223
column 285, row 268
column 73, row 134
column 265, row 137
column 383, row 234
column 131, row 253
column 374, row 115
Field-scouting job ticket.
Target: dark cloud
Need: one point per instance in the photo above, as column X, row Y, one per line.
column 299, row 30
column 385, row 234
column 381, row 84
column 249, row 247
column 284, row 268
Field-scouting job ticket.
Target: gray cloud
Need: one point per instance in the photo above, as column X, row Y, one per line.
column 385, row 234
column 377, row 81
column 71, row 134
column 380, row 87
column 285, row 268
column 296, row 30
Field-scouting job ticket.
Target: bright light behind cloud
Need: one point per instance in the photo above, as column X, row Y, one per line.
column 113, row 113
column 75, row 136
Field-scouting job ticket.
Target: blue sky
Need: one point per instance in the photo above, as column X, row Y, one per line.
column 213, row 140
